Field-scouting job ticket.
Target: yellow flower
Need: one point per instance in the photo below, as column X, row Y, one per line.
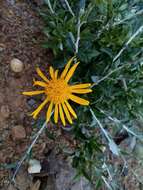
column 58, row 93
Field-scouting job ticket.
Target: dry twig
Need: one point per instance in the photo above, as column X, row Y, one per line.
column 28, row 151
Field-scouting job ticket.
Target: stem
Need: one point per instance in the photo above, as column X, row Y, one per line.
column 28, row 151
column 78, row 36
column 106, row 76
column 69, row 8
column 128, row 42
column 50, row 6
column 128, row 18
column 106, row 183
column 107, row 26
column 112, row 146
column 117, row 121
column 113, row 71
column 100, row 125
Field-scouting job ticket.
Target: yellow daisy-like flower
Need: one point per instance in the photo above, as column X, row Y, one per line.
column 58, row 93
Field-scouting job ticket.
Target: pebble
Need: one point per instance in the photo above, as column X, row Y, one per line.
column 4, row 111
column 18, row 132
column 2, row 47
column 34, row 166
column 16, row 65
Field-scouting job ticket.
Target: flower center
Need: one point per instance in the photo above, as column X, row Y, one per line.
column 57, row 90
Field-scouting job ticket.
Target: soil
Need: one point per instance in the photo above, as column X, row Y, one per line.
column 21, row 37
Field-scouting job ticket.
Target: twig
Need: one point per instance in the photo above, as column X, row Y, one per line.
column 108, row 171
column 125, row 163
column 106, row 183
column 113, row 147
column 28, row 151
column 100, row 125
column 119, row 122
column 69, row 8
column 128, row 42
column 137, row 176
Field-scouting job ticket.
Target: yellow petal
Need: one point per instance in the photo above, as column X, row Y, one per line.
column 56, row 113
column 32, row 93
column 36, row 112
column 40, row 83
column 78, row 86
column 51, row 71
column 71, row 72
column 81, row 91
column 70, row 109
column 40, row 73
column 67, row 113
column 56, row 74
column 67, row 67
column 49, row 111
column 62, row 115
column 78, row 100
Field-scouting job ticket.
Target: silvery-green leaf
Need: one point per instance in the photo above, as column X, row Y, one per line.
column 113, row 147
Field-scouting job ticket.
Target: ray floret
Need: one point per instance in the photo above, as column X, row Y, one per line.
column 59, row 93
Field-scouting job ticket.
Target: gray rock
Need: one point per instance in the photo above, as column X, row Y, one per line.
column 62, row 175
column 65, row 180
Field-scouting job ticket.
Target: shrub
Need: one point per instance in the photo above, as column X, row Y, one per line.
column 107, row 38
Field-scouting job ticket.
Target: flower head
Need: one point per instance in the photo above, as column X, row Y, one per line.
column 59, row 92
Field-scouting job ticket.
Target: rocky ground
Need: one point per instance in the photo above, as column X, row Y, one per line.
column 21, row 38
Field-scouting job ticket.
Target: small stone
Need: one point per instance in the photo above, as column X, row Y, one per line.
column 4, row 111
column 18, row 132
column 34, row 166
column 16, row 65
column 2, row 47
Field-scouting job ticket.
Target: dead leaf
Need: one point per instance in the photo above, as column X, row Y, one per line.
column 36, row 185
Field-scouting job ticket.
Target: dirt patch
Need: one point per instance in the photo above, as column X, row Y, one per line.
column 20, row 37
